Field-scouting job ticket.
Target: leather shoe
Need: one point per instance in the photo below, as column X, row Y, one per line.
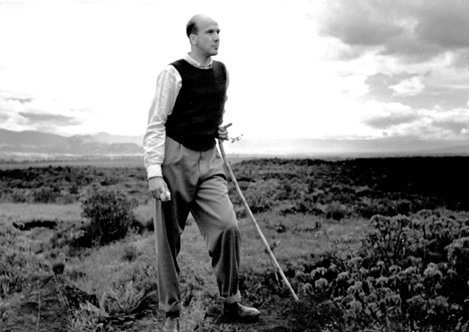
column 171, row 324
column 238, row 312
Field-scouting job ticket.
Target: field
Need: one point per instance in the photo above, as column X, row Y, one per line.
column 367, row 244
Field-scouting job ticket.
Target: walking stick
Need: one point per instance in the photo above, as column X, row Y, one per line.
column 156, row 214
column 251, row 215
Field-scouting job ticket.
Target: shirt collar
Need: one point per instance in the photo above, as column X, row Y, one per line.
column 197, row 64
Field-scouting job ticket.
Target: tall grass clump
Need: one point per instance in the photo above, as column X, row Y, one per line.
column 110, row 212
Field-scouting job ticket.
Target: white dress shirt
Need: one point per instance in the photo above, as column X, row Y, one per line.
column 168, row 85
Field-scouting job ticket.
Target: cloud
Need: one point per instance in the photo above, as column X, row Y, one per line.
column 411, row 30
column 362, row 24
column 50, row 119
column 444, row 23
column 445, row 88
column 456, row 126
column 385, row 116
column 19, row 112
column 400, row 120
column 379, row 85
column 21, row 100
column 390, row 120
column 461, row 60
column 408, row 87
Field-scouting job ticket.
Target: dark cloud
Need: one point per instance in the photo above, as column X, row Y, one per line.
column 413, row 31
column 358, row 24
column 453, row 125
column 411, row 50
column 387, row 121
column 444, row 23
column 50, row 119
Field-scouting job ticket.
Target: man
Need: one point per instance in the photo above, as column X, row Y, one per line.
column 185, row 171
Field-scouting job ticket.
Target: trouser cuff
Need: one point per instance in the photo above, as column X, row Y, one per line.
column 170, row 308
column 233, row 299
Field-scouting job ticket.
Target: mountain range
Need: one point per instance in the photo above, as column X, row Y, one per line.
column 388, row 146
column 34, row 144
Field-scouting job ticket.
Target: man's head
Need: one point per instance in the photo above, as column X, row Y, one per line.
column 204, row 36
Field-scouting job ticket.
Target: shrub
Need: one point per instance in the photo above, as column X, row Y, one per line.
column 262, row 195
column 45, row 195
column 409, row 274
column 110, row 213
column 19, row 197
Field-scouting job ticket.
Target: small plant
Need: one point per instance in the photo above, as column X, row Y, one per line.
column 123, row 300
column 130, row 253
column 110, row 213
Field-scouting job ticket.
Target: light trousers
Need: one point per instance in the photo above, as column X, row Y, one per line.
column 197, row 183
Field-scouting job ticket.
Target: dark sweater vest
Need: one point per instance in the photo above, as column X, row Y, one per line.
column 199, row 106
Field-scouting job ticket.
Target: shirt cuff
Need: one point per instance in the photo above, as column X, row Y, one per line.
column 153, row 171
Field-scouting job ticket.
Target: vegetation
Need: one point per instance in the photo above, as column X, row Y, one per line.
column 367, row 244
column 110, row 214
column 333, row 189
column 409, row 274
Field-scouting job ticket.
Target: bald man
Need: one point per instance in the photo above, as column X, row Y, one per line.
column 185, row 171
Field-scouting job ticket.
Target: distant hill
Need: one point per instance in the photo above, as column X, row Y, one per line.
column 347, row 148
column 36, row 143
column 108, row 138
column 28, row 138
column 46, row 145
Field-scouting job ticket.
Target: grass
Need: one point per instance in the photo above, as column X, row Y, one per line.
column 296, row 237
column 131, row 263
column 104, row 269
column 25, row 212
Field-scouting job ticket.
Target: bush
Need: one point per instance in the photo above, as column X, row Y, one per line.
column 45, row 195
column 409, row 274
column 110, row 213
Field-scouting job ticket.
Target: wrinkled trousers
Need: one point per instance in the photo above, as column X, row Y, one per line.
column 197, row 183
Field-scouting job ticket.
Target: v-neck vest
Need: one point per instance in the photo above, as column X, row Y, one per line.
column 199, row 106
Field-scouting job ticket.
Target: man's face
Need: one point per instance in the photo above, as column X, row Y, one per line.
column 208, row 38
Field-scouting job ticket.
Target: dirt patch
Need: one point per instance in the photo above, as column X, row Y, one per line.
column 37, row 308
column 277, row 314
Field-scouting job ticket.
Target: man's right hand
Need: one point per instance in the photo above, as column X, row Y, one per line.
column 159, row 189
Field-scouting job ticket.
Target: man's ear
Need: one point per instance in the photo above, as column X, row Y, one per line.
column 192, row 39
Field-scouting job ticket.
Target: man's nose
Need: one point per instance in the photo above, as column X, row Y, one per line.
column 216, row 36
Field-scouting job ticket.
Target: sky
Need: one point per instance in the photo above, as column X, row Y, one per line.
column 298, row 68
